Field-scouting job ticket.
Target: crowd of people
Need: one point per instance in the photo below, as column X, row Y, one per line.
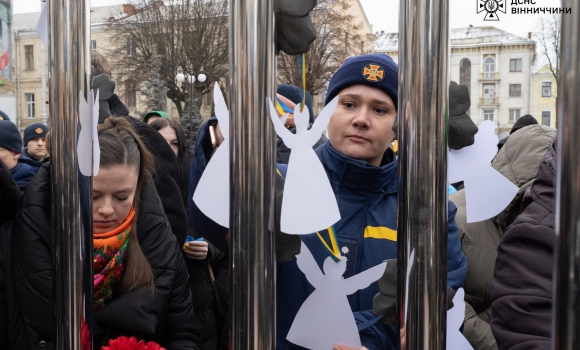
column 161, row 265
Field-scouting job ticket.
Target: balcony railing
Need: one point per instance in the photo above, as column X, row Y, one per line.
column 489, row 76
column 488, row 101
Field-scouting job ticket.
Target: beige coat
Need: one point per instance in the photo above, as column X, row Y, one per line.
column 518, row 161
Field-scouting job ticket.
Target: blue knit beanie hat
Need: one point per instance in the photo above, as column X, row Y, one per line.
column 34, row 130
column 10, row 136
column 374, row 70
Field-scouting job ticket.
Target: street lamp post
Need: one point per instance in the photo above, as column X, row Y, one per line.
column 202, row 78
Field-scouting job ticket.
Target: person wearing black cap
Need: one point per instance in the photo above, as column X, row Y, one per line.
column 10, row 148
column 523, row 121
column 35, row 152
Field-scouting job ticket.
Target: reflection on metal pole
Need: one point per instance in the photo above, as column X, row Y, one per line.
column 422, row 228
column 69, row 69
column 252, row 270
column 566, row 303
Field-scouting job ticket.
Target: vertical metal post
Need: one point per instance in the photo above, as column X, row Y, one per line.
column 43, row 77
column 252, row 269
column 566, row 303
column 422, row 228
column 69, row 68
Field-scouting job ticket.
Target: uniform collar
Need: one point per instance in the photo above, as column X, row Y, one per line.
column 357, row 175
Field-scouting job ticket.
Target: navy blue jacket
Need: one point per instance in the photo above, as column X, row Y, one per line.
column 367, row 199
column 26, row 158
column 22, row 174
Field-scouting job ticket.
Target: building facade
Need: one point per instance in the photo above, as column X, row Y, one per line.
column 544, row 91
column 494, row 64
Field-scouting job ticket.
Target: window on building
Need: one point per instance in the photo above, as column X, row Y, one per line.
column 489, row 65
column 465, row 73
column 129, row 46
column 29, row 57
column 131, row 93
column 515, row 90
column 29, row 105
column 94, row 45
column 516, row 65
column 547, row 89
column 546, row 116
column 515, row 114
column 488, row 114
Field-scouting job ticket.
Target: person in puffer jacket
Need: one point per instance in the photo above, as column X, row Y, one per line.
column 362, row 171
column 518, row 161
column 522, row 282
column 141, row 284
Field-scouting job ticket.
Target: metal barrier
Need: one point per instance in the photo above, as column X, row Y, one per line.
column 422, row 217
column 566, row 301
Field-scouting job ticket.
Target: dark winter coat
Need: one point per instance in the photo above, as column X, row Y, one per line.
column 26, row 158
column 22, row 174
column 166, row 318
column 9, row 194
column 522, row 283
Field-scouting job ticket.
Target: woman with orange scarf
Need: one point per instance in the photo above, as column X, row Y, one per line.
column 140, row 277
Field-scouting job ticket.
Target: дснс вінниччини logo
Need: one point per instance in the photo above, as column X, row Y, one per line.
column 491, row 7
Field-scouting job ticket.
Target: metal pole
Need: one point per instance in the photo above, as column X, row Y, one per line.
column 566, row 303
column 252, row 269
column 69, row 68
column 422, row 229
column 43, row 79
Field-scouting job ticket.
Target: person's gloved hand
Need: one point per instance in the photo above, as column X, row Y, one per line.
column 294, row 28
column 106, row 88
column 461, row 128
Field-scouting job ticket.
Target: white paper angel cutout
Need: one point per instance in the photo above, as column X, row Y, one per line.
column 455, row 317
column 212, row 195
column 487, row 192
column 309, row 204
column 325, row 319
column 42, row 26
column 88, row 149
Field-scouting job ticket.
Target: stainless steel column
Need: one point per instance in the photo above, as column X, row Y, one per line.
column 422, row 222
column 252, row 270
column 566, row 303
column 69, row 68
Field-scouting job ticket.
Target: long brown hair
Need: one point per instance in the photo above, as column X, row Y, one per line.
column 120, row 145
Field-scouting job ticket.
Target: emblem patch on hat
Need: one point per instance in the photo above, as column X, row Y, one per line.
column 373, row 73
column 38, row 131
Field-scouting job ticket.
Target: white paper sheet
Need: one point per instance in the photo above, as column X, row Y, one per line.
column 487, row 192
column 88, row 150
column 212, row 195
column 309, row 203
column 42, row 26
column 455, row 316
column 325, row 319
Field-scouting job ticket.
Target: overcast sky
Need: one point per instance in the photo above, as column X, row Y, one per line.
column 384, row 14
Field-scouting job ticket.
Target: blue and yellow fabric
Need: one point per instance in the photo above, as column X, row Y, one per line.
column 367, row 198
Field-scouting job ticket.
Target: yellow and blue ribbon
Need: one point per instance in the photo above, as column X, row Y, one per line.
column 282, row 108
column 302, row 61
column 333, row 250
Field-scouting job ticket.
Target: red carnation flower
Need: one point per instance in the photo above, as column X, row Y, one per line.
column 124, row 343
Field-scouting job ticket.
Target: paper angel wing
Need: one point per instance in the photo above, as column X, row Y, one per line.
column 464, row 162
column 279, row 127
column 309, row 266
column 487, row 193
column 221, row 111
column 88, row 151
column 321, row 123
column 363, row 279
column 455, row 318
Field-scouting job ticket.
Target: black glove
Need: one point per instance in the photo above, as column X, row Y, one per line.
column 106, row 87
column 294, row 28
